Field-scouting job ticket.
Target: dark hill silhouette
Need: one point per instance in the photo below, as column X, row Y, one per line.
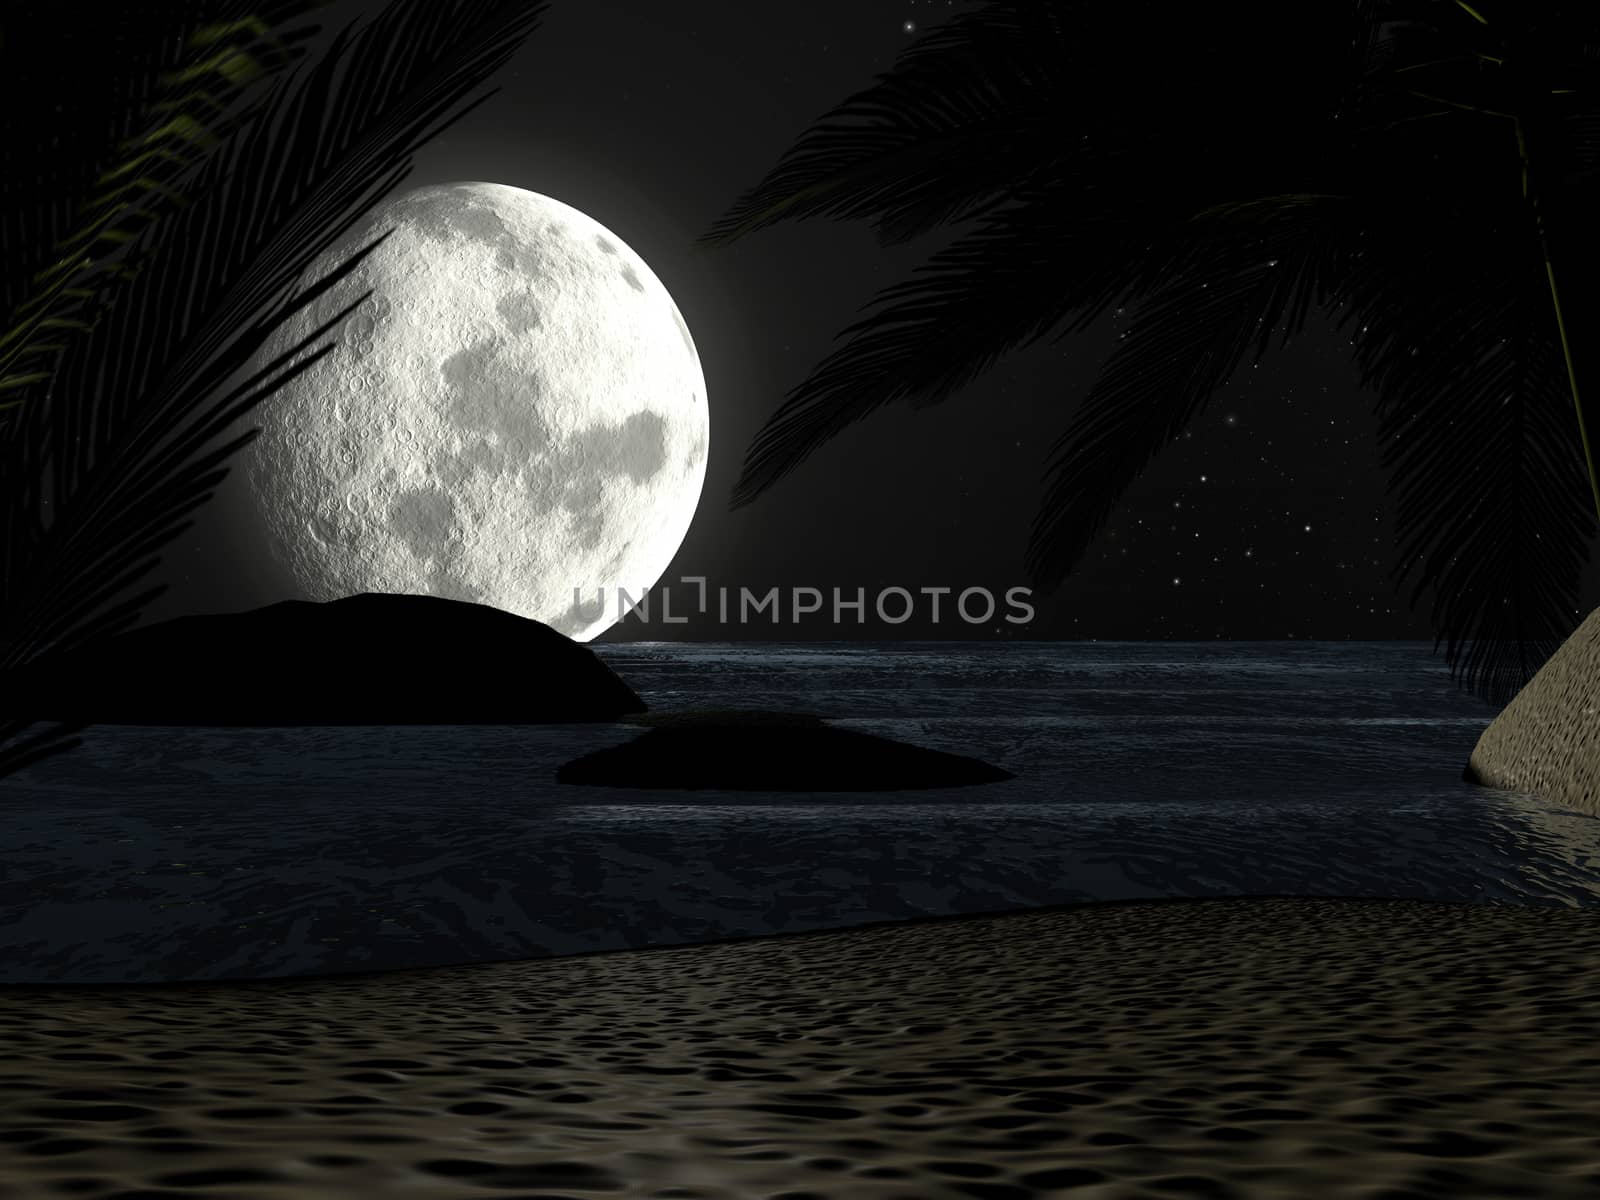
column 770, row 752
column 368, row 659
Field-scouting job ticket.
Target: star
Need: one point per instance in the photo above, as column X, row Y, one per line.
column 909, row 26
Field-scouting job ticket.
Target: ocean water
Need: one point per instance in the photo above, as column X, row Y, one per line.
column 1144, row 770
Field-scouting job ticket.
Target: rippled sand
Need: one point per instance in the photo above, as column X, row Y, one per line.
column 1384, row 1050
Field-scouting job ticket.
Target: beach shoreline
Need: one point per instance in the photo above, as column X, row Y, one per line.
column 1249, row 1047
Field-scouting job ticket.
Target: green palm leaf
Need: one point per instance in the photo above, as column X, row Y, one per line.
column 123, row 449
column 193, row 108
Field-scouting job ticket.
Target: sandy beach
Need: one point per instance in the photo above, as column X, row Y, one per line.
column 1262, row 1047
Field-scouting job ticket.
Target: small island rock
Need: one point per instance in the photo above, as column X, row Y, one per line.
column 367, row 659
column 770, row 752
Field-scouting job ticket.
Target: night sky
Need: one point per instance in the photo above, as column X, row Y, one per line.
column 1268, row 521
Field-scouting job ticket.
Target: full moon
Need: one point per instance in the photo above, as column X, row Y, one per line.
column 516, row 416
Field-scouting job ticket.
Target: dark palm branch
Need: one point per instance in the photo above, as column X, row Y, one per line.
column 948, row 133
column 180, row 114
column 1093, row 219
column 1362, row 181
column 1244, row 272
column 1478, row 428
column 67, row 220
column 122, row 452
column 1022, row 271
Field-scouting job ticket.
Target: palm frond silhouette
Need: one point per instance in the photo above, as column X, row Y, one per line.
column 1410, row 166
column 50, row 200
column 106, row 457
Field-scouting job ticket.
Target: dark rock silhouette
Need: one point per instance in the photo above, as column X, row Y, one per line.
column 770, row 752
column 368, row 659
column 728, row 718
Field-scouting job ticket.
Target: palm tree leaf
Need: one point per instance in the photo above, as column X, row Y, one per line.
column 943, row 136
column 1480, row 434
column 1056, row 259
column 1024, row 270
column 305, row 172
column 1492, row 500
column 145, row 489
column 1249, row 269
column 188, row 115
column 294, row 179
column 288, row 183
column 1104, row 218
column 1382, row 174
column 980, row 107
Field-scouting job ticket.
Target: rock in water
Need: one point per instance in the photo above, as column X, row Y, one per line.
column 771, row 752
column 1547, row 740
column 368, row 659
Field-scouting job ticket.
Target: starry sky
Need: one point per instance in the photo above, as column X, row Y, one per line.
column 1268, row 520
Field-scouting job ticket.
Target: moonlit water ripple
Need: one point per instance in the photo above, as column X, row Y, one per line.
column 1143, row 770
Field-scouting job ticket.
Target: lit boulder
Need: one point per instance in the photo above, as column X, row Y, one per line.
column 368, row 659
column 1546, row 741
